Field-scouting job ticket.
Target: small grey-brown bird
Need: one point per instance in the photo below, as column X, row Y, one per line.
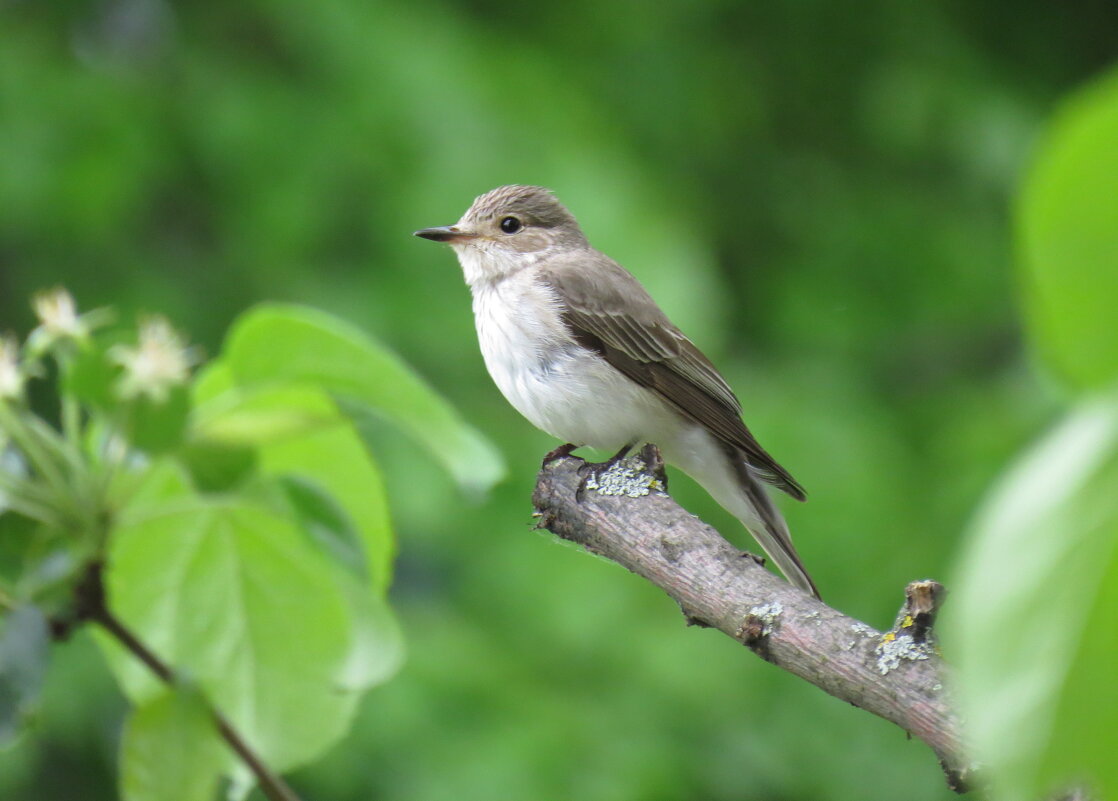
column 577, row 346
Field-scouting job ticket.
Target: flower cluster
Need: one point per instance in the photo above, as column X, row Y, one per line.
column 160, row 360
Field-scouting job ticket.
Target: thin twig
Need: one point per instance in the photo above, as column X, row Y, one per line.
column 92, row 607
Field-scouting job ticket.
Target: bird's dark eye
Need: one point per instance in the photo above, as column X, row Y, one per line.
column 510, row 225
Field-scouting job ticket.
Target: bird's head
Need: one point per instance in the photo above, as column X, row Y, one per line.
column 509, row 228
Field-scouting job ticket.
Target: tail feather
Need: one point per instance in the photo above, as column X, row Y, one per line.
column 773, row 534
column 722, row 470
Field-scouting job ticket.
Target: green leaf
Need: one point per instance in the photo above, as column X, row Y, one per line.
column 1068, row 238
column 378, row 644
column 158, row 426
column 1032, row 615
column 90, row 378
column 326, row 524
column 1088, row 703
column 298, row 431
column 337, row 461
column 162, row 483
column 171, row 751
column 218, row 466
column 24, row 647
column 232, row 595
column 277, row 343
column 259, row 414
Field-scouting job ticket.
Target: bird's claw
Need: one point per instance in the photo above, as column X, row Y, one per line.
column 587, row 471
column 654, row 463
column 558, row 453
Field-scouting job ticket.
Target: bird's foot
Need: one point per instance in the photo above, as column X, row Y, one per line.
column 558, row 453
column 654, row 463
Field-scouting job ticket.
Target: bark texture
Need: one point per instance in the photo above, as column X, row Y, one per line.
column 624, row 515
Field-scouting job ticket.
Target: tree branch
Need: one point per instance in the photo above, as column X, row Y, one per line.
column 896, row 675
column 91, row 606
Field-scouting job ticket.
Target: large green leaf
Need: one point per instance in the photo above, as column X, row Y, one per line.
column 170, row 750
column 336, row 461
column 276, row 343
column 1068, row 235
column 327, row 524
column 297, row 430
column 378, row 643
column 233, row 595
column 256, row 414
column 1032, row 616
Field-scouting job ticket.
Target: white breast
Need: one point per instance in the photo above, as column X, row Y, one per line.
column 560, row 387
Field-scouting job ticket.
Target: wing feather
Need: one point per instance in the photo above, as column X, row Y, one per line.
column 607, row 310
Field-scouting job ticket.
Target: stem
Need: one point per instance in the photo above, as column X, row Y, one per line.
column 66, row 454
column 12, row 484
column 71, row 411
column 72, row 432
column 71, row 420
column 110, row 454
column 31, row 447
column 44, row 514
column 92, row 606
column 48, row 454
column 29, row 499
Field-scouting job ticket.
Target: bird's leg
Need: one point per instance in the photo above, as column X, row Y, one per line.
column 654, row 461
column 558, row 453
column 595, row 470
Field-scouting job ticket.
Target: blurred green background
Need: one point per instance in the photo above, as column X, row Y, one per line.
column 819, row 193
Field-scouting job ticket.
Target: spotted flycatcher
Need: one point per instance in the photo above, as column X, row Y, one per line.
column 578, row 346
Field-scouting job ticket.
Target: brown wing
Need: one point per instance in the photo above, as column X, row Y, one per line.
column 608, row 311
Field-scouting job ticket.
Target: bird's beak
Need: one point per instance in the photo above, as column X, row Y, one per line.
column 445, row 233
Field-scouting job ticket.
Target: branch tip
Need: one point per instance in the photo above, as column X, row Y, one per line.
column 923, row 600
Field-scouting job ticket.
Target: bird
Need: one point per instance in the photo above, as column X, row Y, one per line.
column 579, row 347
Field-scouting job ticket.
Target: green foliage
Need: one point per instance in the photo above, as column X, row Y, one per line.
column 169, row 751
column 1033, row 613
column 817, row 196
column 1034, row 594
column 1069, row 248
column 242, row 522
column 234, row 596
column 286, row 344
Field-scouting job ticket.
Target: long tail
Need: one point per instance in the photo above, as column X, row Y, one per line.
column 772, row 533
column 723, row 472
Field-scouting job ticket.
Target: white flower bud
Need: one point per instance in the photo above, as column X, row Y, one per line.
column 58, row 314
column 159, row 363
